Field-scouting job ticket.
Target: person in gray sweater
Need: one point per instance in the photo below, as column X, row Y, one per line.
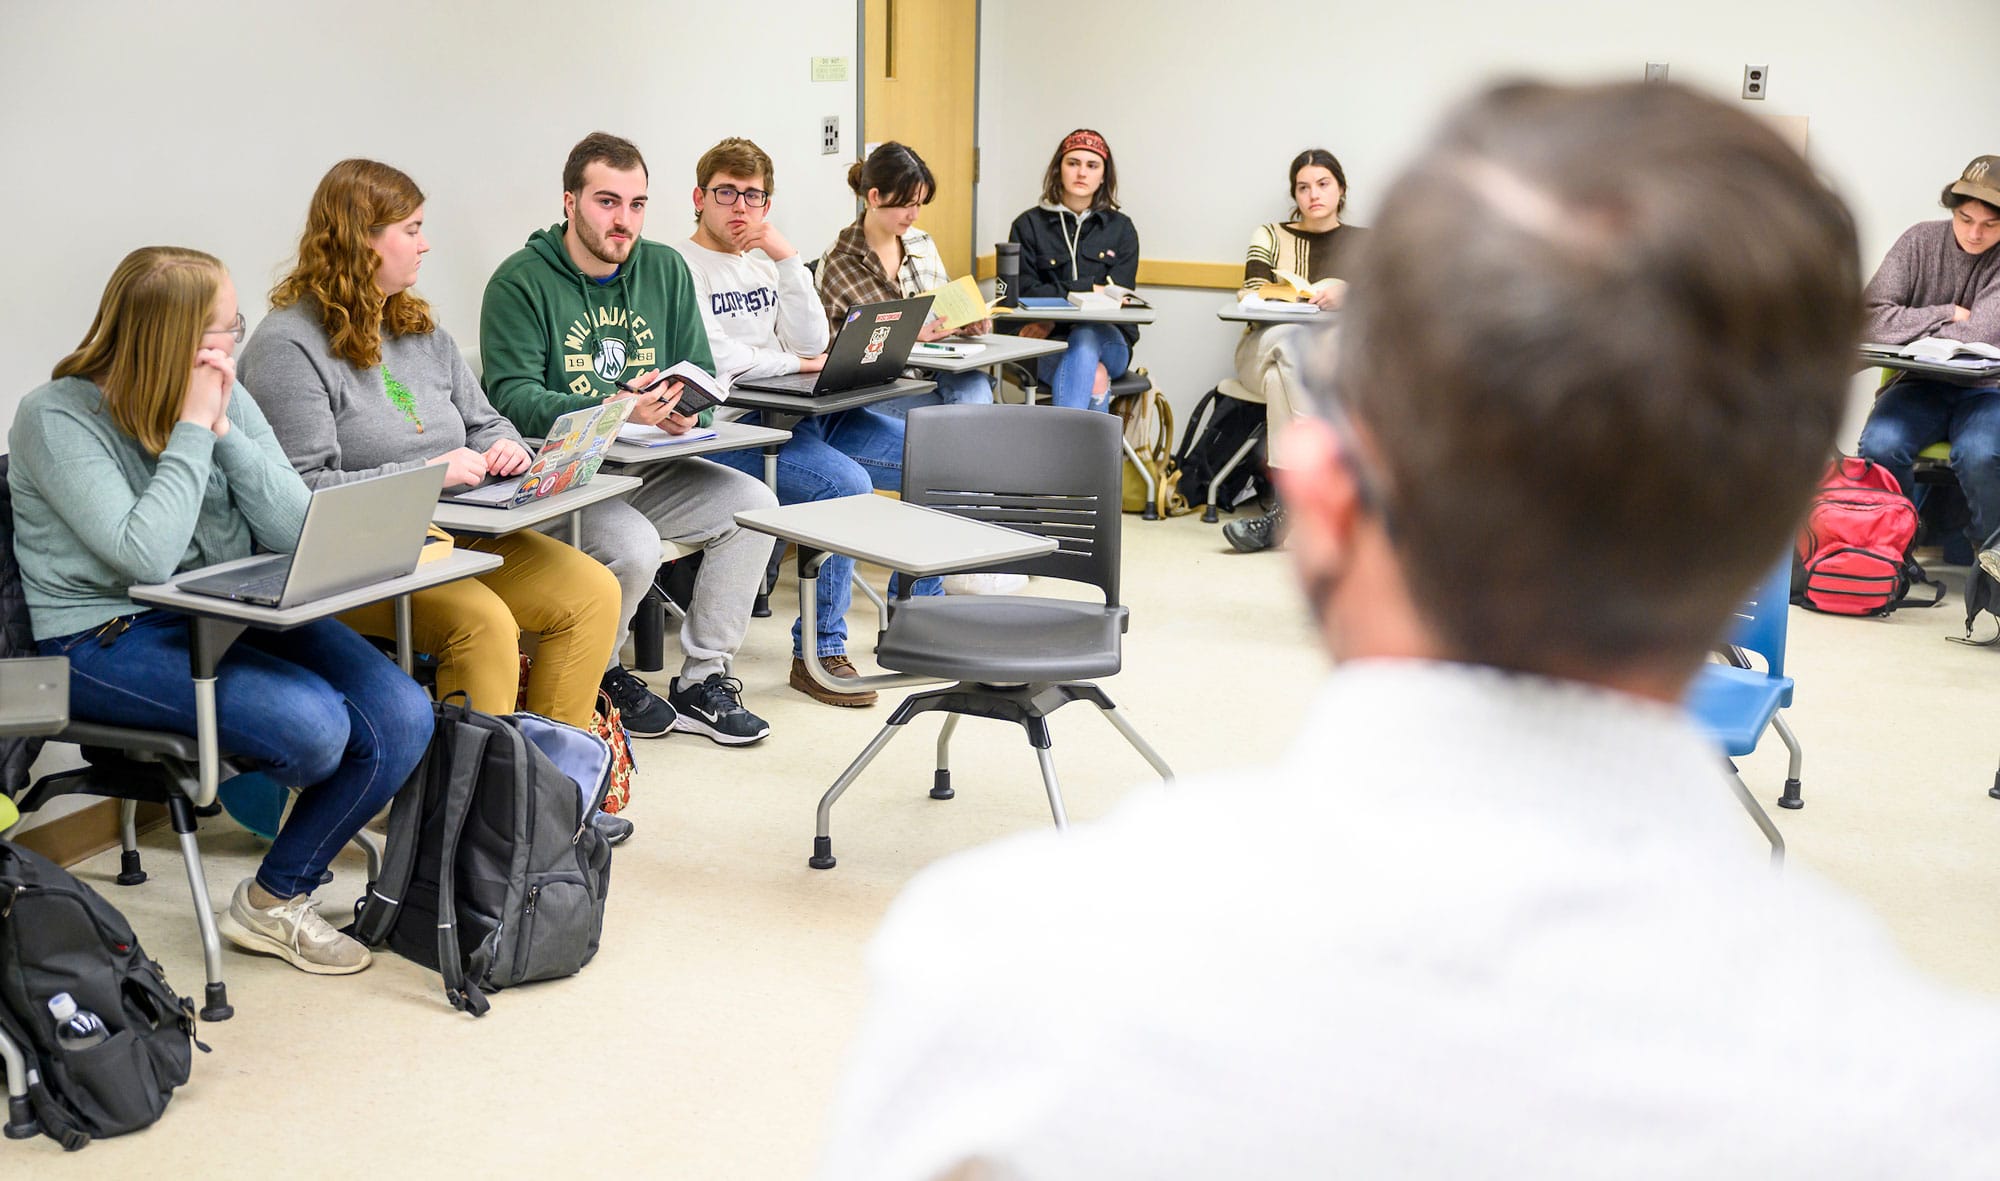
column 358, row 379
column 1942, row 278
column 143, row 458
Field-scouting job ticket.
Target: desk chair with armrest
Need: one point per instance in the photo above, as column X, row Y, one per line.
column 129, row 765
column 1047, row 471
column 1735, row 703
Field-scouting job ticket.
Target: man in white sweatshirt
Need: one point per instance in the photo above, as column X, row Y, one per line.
column 764, row 318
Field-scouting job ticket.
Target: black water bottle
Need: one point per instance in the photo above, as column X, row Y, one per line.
column 1006, row 273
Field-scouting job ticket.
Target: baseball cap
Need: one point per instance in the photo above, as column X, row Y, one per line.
column 1981, row 180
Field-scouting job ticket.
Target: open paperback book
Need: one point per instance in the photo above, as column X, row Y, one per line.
column 960, row 302
column 1290, row 288
column 699, row 392
column 1937, row 348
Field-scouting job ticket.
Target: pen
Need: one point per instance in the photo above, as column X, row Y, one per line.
column 630, row 389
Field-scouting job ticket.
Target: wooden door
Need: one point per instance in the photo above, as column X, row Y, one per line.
column 921, row 81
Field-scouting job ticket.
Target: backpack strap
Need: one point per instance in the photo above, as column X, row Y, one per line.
column 376, row 912
column 1917, row 578
column 466, row 750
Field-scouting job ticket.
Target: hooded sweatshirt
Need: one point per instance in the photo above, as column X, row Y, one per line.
column 553, row 340
column 1062, row 252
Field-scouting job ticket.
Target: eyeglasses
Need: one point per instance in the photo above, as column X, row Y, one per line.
column 1329, row 408
column 725, row 195
column 233, row 328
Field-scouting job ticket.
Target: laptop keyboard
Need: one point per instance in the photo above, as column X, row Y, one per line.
column 268, row 587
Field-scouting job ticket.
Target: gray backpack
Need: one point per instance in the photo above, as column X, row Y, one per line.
column 494, row 875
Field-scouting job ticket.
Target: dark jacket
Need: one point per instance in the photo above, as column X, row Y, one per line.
column 1106, row 251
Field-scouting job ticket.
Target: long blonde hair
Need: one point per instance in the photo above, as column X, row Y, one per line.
column 337, row 262
column 141, row 345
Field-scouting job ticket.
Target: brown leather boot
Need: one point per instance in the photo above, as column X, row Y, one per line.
column 840, row 667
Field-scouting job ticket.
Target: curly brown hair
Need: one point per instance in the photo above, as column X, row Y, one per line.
column 337, row 263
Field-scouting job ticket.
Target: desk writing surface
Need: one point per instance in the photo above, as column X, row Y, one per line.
column 999, row 350
column 906, row 537
column 729, row 436
column 498, row 522
column 1076, row 315
column 459, row 563
column 1241, row 315
column 1982, row 371
column 34, row 695
column 807, row 405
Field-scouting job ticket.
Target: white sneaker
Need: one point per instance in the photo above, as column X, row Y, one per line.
column 294, row 932
column 991, row 583
column 1989, row 561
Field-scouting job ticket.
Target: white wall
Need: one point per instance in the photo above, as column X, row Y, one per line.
column 1205, row 104
column 125, row 123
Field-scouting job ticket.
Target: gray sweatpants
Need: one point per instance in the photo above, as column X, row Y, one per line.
column 692, row 502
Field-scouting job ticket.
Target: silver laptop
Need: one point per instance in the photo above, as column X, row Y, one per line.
column 355, row 534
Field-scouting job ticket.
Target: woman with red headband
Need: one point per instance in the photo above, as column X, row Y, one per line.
column 1077, row 240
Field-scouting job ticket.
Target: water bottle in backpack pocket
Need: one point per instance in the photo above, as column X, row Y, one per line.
column 1853, row 554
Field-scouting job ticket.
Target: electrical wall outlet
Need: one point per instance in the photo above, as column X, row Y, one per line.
column 1656, row 71
column 1756, row 80
column 829, row 136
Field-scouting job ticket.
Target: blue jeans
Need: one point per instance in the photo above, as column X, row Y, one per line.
column 317, row 707
column 832, row 455
column 1072, row 373
column 1914, row 413
column 972, row 388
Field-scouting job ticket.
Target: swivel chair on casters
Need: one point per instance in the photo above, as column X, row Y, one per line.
column 1042, row 470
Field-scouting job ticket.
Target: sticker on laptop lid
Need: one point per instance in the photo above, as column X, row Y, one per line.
column 887, row 317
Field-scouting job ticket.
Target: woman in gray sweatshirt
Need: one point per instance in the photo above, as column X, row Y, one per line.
column 143, row 458
column 358, row 379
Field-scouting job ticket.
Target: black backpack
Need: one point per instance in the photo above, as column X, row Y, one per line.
column 494, row 875
column 56, row 936
column 1217, row 430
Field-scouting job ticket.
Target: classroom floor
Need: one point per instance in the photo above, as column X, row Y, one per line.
column 705, row 1040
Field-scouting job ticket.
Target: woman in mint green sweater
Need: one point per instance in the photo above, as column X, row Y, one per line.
column 144, row 458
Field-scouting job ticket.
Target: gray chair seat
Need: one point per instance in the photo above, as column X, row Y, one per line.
column 1002, row 638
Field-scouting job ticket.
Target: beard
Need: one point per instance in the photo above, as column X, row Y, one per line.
column 601, row 247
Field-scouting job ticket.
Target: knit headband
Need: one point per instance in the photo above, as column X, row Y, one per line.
column 1087, row 140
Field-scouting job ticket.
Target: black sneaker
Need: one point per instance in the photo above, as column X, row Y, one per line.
column 644, row 713
column 1256, row 533
column 715, row 708
column 615, row 830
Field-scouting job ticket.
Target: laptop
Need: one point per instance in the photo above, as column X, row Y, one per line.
column 568, row 458
column 355, row 534
column 871, row 348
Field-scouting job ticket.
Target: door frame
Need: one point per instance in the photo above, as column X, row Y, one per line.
column 861, row 108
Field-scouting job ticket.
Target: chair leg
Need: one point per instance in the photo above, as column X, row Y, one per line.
column 217, row 1007
column 1762, row 818
column 1139, row 744
column 1790, row 799
column 129, row 871
column 21, row 1121
column 1055, row 791
column 372, row 851
column 881, row 604
column 1215, row 486
column 941, row 782
column 1151, row 512
column 822, row 854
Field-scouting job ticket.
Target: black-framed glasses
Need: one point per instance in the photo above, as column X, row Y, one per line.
column 233, row 328
column 726, row 195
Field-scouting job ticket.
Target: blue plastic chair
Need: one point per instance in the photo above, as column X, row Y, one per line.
column 1736, row 703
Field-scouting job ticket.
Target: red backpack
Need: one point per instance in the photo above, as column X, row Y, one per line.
column 1854, row 552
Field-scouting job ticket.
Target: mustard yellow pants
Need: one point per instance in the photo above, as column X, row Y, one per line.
column 473, row 627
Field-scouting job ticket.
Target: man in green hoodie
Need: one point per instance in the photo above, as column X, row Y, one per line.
column 586, row 305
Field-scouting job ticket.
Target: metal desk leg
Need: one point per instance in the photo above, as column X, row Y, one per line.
column 212, row 638
column 809, row 564
column 760, row 607
column 406, row 651
column 576, row 528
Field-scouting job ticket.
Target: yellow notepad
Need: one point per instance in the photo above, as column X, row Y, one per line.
column 960, row 303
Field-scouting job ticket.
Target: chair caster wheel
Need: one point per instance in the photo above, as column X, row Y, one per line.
column 822, row 857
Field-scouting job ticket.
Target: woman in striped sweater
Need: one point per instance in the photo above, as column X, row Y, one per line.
column 1315, row 246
